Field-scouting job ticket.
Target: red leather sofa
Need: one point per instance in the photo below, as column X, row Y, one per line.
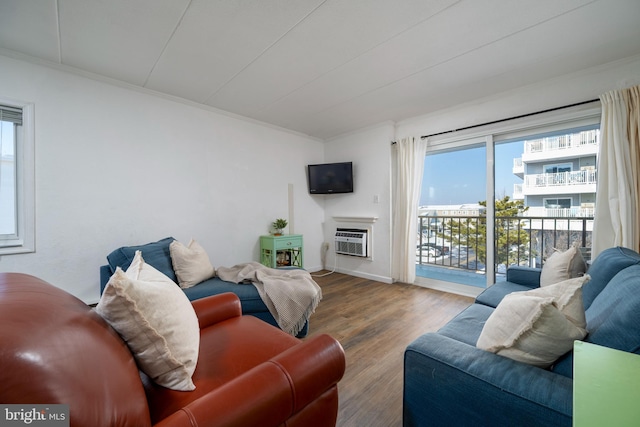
column 54, row 349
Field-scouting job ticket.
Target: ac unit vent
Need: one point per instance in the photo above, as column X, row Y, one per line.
column 351, row 242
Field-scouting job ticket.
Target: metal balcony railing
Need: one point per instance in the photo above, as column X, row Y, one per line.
column 459, row 242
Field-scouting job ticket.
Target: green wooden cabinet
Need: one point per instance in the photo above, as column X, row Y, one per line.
column 281, row 251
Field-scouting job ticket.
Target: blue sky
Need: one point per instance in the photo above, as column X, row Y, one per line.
column 6, row 138
column 460, row 176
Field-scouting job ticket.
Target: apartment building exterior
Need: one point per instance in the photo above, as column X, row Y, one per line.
column 559, row 175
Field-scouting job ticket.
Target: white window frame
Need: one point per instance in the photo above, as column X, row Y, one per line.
column 24, row 241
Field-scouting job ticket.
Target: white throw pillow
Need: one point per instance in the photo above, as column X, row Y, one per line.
column 529, row 329
column 537, row 326
column 567, row 295
column 562, row 266
column 156, row 320
column 191, row 264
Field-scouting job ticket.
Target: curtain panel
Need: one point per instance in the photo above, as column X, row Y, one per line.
column 408, row 169
column 618, row 199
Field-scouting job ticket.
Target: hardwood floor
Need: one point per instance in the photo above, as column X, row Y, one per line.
column 375, row 322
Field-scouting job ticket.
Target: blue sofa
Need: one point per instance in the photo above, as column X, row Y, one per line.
column 157, row 255
column 448, row 381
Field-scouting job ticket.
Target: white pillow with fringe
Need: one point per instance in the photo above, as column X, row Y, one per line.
column 537, row 326
column 156, row 320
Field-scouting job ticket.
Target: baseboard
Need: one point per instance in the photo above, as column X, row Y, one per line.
column 453, row 288
column 363, row 275
column 375, row 277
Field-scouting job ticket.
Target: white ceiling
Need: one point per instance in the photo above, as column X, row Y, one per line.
column 324, row 67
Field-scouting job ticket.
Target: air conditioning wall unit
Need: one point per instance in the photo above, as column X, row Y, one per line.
column 350, row 241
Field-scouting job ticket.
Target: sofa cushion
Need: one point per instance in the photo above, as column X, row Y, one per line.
column 612, row 319
column 467, row 325
column 537, row 326
column 248, row 294
column 495, row 293
column 190, row 263
column 607, row 264
column 156, row 254
column 562, row 266
column 156, row 320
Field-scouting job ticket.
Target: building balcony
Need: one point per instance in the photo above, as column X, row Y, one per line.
column 574, row 182
column 582, row 144
column 517, row 192
column 586, row 211
column 518, row 167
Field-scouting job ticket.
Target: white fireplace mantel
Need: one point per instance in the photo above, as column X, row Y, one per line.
column 360, row 219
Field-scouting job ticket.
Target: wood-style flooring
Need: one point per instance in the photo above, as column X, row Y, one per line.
column 375, row 322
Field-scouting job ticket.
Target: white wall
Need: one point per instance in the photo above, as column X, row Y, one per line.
column 118, row 167
column 369, row 150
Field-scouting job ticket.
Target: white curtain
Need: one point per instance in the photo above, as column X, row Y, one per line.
column 618, row 202
column 408, row 168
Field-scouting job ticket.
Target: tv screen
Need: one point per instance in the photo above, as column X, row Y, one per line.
column 330, row 178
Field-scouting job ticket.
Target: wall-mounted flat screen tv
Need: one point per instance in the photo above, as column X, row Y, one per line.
column 330, row 178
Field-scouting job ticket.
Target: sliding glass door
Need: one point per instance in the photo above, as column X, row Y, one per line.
column 451, row 242
column 505, row 195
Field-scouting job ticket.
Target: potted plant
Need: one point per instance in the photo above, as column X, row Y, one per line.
column 278, row 225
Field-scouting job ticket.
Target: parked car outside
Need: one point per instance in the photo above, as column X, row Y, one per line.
column 427, row 250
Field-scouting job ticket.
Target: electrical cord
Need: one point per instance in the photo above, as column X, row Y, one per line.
column 323, row 256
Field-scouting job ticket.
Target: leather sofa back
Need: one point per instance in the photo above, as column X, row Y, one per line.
column 57, row 350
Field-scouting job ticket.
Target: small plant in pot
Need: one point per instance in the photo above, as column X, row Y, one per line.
column 279, row 225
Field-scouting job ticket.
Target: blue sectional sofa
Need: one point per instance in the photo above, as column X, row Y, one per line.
column 157, row 254
column 448, row 381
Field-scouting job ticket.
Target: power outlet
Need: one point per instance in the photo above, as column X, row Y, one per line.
column 376, row 198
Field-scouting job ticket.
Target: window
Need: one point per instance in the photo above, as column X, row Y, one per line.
column 539, row 171
column 17, row 193
column 557, row 203
column 564, row 167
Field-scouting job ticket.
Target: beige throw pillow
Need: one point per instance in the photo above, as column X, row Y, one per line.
column 562, row 266
column 156, row 320
column 191, row 264
column 537, row 326
column 567, row 296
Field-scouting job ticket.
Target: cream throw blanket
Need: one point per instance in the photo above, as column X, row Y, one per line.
column 290, row 295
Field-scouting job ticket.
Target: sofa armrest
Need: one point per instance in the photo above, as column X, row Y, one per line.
column 217, row 308
column 273, row 391
column 447, row 382
column 315, row 365
column 527, row 276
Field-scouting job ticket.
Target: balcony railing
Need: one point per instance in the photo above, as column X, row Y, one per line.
column 517, row 192
column 562, row 142
column 518, row 166
column 458, row 242
column 574, row 212
column 581, row 177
